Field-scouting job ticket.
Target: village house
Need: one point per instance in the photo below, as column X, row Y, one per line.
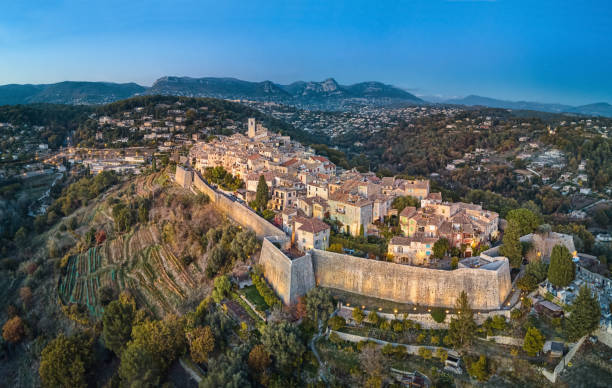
column 310, row 233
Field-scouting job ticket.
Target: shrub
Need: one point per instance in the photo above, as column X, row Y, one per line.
column 358, row 315
column 385, row 325
column 265, row 291
column 13, row 330
column 398, row 327
column 438, row 314
column 479, row 369
column 335, row 338
column 373, row 318
column 442, row 354
column 425, row 353
column 336, row 322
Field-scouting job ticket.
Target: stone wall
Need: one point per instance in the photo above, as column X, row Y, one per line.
column 277, row 270
column 237, row 211
column 410, row 349
column 425, row 319
column 290, row 279
column 546, row 242
column 183, row 176
column 486, row 289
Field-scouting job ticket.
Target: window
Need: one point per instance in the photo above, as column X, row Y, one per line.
column 427, row 245
column 428, row 253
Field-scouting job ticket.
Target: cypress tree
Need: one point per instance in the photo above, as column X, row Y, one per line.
column 463, row 328
column 585, row 315
column 261, row 199
column 512, row 247
column 561, row 269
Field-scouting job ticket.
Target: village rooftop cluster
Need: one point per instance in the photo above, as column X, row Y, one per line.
column 306, row 189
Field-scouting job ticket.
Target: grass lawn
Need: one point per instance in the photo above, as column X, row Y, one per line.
column 254, row 297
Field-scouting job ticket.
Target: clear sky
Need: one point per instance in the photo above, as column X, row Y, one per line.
column 539, row 50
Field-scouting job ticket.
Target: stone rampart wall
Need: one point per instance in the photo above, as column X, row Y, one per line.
column 237, row 211
column 486, row 289
column 277, row 270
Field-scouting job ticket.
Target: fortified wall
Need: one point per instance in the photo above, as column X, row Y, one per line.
column 487, row 287
column 237, row 211
column 289, row 278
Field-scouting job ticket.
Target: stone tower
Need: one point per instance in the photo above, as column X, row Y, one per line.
column 251, row 132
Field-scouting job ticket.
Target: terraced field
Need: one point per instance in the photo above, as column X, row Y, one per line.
column 138, row 261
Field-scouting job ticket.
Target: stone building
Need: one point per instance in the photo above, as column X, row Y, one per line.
column 311, row 233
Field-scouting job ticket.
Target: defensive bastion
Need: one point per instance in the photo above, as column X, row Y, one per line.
column 487, row 285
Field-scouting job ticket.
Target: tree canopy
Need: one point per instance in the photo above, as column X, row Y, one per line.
column 462, row 329
column 527, row 221
column 512, row 247
column 65, row 360
column 561, row 270
column 585, row 315
column 282, row 341
column 262, row 196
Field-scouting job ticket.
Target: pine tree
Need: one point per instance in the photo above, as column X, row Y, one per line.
column 561, row 269
column 512, row 247
column 534, row 341
column 463, row 328
column 585, row 315
column 261, row 199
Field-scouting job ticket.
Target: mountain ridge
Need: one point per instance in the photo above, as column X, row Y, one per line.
column 594, row 109
column 311, row 93
column 319, row 95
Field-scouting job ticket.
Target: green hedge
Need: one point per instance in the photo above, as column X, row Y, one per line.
column 265, row 291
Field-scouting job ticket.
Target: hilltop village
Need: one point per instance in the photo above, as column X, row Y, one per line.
column 306, row 189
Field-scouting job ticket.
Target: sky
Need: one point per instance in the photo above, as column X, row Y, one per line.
column 537, row 50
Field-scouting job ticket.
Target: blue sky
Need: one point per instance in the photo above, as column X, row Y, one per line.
column 550, row 51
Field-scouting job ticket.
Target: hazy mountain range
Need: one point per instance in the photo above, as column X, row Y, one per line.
column 68, row 92
column 327, row 94
column 596, row 109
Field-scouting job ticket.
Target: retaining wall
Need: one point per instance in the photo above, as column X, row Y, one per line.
column 410, row 349
column 552, row 376
column 425, row 319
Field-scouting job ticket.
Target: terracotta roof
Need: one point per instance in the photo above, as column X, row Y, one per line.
column 435, row 196
column 311, row 225
column 408, row 211
column 290, row 162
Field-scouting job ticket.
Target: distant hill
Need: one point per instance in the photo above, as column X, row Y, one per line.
column 215, row 87
column 68, row 92
column 327, row 93
column 597, row 109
